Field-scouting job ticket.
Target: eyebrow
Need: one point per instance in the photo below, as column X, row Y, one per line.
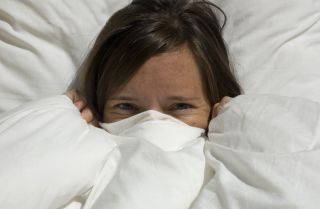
column 174, row 98
column 182, row 98
column 126, row 98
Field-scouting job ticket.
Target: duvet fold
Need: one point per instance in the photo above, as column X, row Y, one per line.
column 52, row 159
column 265, row 151
column 262, row 152
column 49, row 156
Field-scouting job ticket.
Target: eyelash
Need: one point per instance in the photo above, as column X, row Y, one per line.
column 185, row 105
column 132, row 107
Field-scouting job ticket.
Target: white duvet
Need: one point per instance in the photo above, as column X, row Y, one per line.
column 263, row 149
column 51, row 158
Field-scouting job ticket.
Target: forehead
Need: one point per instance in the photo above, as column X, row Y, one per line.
column 172, row 72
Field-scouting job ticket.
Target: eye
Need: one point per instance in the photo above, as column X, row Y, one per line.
column 126, row 107
column 181, row 106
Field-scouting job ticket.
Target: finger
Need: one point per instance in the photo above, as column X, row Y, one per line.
column 70, row 94
column 216, row 105
column 215, row 110
column 225, row 100
column 95, row 123
column 87, row 115
column 80, row 104
column 218, row 109
column 76, row 98
column 74, row 95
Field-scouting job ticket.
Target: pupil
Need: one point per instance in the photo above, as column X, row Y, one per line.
column 182, row 106
column 126, row 106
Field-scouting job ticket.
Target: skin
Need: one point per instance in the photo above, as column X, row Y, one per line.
column 169, row 83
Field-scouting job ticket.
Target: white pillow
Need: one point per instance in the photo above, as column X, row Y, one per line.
column 265, row 151
column 43, row 44
column 50, row 156
column 275, row 45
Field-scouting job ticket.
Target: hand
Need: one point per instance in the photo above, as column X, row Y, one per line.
column 218, row 106
column 81, row 103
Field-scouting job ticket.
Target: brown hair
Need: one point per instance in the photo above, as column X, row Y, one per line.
column 146, row 28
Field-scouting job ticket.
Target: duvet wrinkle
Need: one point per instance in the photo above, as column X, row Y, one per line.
column 7, row 19
column 302, row 29
column 17, row 42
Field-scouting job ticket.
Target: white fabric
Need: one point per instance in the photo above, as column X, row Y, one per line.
column 275, row 45
column 43, row 43
column 49, row 156
column 153, row 174
column 265, row 151
column 164, row 131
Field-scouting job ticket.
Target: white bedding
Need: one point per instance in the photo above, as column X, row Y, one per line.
column 264, row 148
column 274, row 45
column 43, row 44
column 51, row 159
column 50, row 156
column 162, row 164
column 265, row 151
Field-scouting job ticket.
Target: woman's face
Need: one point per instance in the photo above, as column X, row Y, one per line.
column 169, row 83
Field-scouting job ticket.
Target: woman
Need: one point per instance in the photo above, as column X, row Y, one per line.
column 165, row 55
